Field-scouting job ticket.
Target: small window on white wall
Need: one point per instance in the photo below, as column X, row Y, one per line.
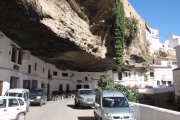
column 65, row 74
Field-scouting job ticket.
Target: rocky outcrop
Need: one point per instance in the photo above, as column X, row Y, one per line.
column 72, row 34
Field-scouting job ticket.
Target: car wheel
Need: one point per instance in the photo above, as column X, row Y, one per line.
column 20, row 116
column 27, row 109
column 40, row 104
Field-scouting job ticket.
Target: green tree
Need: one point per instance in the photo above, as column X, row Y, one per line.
column 105, row 83
column 118, row 26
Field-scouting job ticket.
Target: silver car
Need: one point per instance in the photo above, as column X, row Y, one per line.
column 84, row 97
column 112, row 105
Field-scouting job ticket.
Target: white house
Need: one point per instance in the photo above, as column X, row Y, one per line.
column 173, row 40
column 161, row 72
column 153, row 39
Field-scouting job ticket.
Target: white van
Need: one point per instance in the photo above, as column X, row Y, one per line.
column 20, row 92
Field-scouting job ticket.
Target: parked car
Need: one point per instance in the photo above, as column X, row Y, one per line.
column 38, row 96
column 12, row 108
column 19, row 92
column 84, row 97
column 112, row 105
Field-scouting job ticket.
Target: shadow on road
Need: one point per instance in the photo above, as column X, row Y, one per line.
column 85, row 118
column 74, row 107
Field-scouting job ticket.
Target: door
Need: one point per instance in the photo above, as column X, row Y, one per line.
column 3, row 109
column 26, row 84
column 78, row 87
column 48, row 91
column 14, row 81
column 1, row 87
column 13, row 108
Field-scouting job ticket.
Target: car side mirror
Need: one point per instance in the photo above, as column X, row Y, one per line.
column 96, row 105
column 131, row 105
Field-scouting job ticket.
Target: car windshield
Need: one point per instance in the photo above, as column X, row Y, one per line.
column 36, row 93
column 85, row 92
column 14, row 94
column 114, row 102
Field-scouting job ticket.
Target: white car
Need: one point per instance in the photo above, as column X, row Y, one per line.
column 12, row 108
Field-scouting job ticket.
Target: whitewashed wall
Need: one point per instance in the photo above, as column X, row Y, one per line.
column 146, row 112
column 176, row 76
column 177, row 48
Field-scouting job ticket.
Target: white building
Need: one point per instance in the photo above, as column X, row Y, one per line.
column 173, row 40
column 176, row 72
column 153, row 39
column 161, row 72
column 20, row 69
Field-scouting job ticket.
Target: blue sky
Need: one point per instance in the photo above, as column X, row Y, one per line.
column 163, row 15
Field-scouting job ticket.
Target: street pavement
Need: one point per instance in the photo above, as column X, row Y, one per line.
column 59, row 110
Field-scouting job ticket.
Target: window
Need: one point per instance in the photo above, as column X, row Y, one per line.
column 20, row 57
column 2, row 103
column 43, row 70
column 86, row 79
column 34, row 84
column 54, row 73
column 86, row 86
column 13, row 103
column 29, row 68
column 14, row 54
column 151, row 74
column 126, row 74
column 65, row 74
column 14, row 82
column 21, row 102
column 60, row 87
column 35, row 66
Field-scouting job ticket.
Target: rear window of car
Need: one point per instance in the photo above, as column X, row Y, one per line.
column 85, row 92
column 14, row 94
column 2, row 103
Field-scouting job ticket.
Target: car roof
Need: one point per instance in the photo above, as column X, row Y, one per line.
column 7, row 97
column 84, row 89
column 17, row 90
column 111, row 93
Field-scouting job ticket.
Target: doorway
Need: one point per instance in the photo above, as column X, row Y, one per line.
column 1, row 87
column 48, row 91
column 14, row 82
column 78, row 87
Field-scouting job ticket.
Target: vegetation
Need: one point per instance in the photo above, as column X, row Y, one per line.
column 163, row 54
column 118, row 26
column 131, row 25
column 105, row 83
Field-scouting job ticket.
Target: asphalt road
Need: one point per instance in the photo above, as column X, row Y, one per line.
column 59, row 110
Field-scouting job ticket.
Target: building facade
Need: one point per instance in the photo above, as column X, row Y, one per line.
column 20, row 69
column 161, row 73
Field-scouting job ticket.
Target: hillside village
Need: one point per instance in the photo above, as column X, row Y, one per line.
column 62, row 46
column 20, row 69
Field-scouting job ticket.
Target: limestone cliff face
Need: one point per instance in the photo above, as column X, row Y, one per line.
column 73, row 34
